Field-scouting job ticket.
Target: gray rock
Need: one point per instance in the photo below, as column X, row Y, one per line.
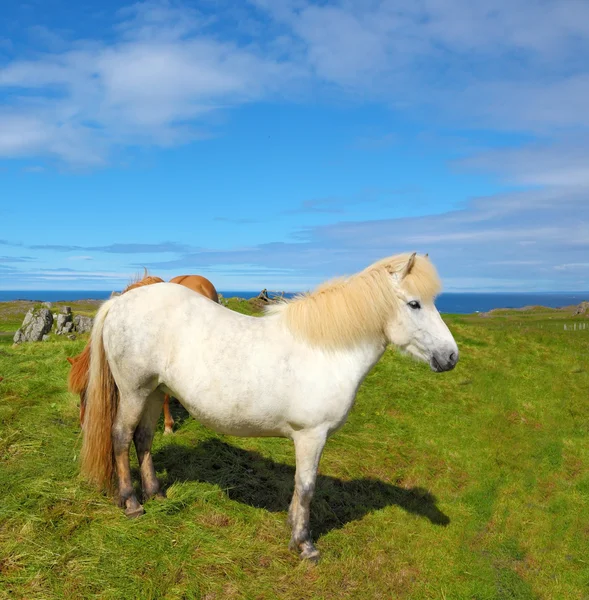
column 65, row 321
column 35, row 325
column 28, row 318
column 47, row 304
column 71, row 337
column 83, row 324
column 45, row 338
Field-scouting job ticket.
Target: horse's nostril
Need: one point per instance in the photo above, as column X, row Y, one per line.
column 452, row 357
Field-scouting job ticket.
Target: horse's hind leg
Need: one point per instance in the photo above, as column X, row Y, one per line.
column 143, row 439
column 308, row 448
column 168, row 419
column 128, row 416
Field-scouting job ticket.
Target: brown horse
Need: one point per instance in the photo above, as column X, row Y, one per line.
column 199, row 284
column 78, row 377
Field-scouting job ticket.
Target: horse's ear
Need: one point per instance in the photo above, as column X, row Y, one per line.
column 426, row 255
column 408, row 266
column 70, row 360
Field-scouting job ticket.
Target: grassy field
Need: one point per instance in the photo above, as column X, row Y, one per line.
column 471, row 484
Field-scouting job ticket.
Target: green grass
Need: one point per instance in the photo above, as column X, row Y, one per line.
column 472, row 484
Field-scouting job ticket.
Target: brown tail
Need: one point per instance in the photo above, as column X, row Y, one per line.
column 77, row 380
column 102, row 401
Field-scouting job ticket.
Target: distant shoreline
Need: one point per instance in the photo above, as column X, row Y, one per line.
column 451, row 302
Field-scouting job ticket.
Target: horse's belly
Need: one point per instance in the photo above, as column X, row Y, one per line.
column 257, row 393
column 240, row 414
column 241, row 411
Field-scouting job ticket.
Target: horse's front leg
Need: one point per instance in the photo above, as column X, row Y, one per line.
column 308, row 448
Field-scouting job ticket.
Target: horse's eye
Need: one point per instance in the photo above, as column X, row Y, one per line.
column 414, row 304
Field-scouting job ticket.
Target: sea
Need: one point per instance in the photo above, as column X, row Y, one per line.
column 458, row 303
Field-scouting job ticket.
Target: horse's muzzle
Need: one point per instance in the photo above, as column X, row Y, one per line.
column 443, row 361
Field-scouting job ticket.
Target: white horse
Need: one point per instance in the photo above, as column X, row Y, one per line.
column 293, row 373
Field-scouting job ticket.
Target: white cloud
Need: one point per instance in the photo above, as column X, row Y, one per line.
column 510, row 64
column 572, row 266
column 50, row 278
column 528, row 240
column 503, row 63
column 152, row 86
column 560, row 163
column 532, row 240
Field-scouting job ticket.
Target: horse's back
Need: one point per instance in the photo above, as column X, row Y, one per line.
column 166, row 307
column 161, row 323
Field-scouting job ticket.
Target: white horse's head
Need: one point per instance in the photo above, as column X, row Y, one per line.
column 416, row 327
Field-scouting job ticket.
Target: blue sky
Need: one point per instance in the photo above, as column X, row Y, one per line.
column 277, row 143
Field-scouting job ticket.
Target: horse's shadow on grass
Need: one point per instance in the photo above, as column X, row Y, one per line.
column 252, row 479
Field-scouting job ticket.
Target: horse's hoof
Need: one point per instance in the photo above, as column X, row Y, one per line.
column 311, row 554
column 160, row 496
column 133, row 513
column 168, row 431
column 306, row 550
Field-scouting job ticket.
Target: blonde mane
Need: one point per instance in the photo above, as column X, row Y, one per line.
column 341, row 312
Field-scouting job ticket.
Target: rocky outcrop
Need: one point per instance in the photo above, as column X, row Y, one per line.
column 83, row 324
column 36, row 324
column 582, row 309
column 65, row 321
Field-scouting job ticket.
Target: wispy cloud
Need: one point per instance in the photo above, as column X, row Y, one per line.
column 375, row 142
column 530, row 240
column 573, row 266
column 563, row 162
column 13, row 278
column 152, row 86
column 522, row 238
column 320, row 205
column 235, row 221
column 338, row 205
column 168, row 68
column 122, row 248
column 396, row 51
column 15, row 259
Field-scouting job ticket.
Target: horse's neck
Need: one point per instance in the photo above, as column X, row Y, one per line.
column 371, row 355
column 356, row 362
